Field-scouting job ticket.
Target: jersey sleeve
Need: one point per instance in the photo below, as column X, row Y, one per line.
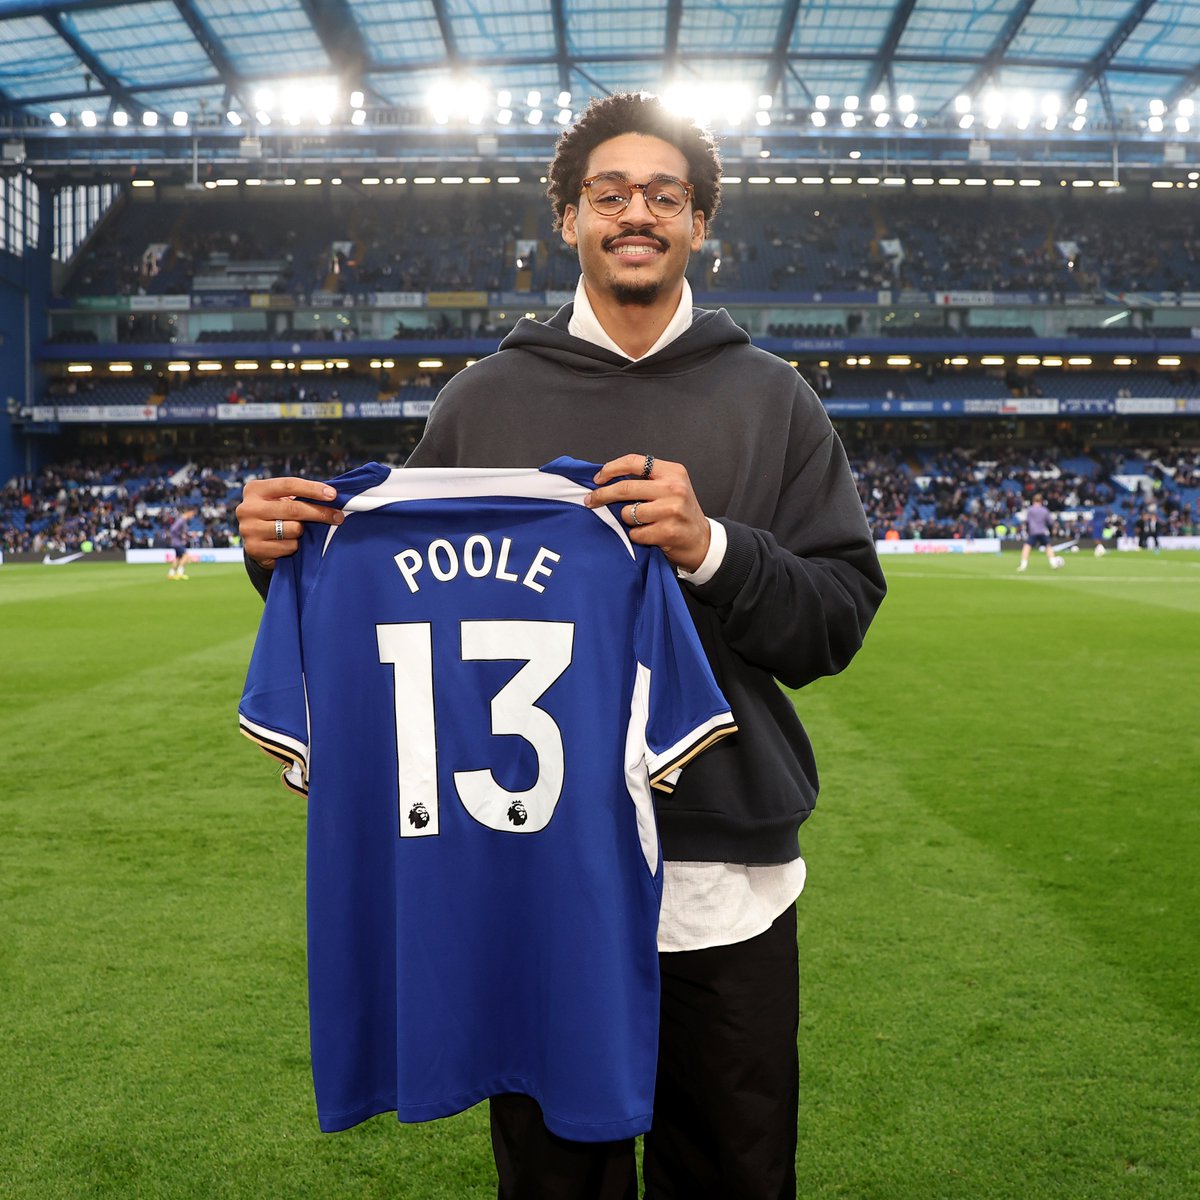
column 685, row 710
column 274, row 708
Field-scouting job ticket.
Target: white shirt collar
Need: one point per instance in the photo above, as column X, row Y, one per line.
column 586, row 325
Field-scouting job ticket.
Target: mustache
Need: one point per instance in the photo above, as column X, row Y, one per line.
column 642, row 233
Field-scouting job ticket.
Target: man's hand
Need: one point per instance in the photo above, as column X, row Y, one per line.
column 667, row 513
column 265, row 501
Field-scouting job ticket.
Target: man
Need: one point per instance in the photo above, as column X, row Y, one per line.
column 178, row 534
column 721, row 455
column 1037, row 533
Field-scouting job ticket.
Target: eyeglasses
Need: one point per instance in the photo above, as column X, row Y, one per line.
column 611, row 194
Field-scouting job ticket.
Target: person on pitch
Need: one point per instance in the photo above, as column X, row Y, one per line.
column 721, row 455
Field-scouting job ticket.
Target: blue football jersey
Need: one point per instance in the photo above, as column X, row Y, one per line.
column 478, row 681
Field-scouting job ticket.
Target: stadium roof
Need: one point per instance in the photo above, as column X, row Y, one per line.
column 437, row 75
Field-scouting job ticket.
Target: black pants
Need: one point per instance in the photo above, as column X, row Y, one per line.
column 726, row 1097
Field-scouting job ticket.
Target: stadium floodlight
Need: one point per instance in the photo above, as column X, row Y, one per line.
column 504, row 98
column 263, row 117
column 79, row 368
column 358, row 117
column 881, row 120
column 564, row 100
column 356, row 99
column 564, row 116
column 143, row 183
column 264, row 98
column 504, row 116
column 822, row 103
column 533, row 100
column 1081, row 106
column 763, row 117
column 120, row 118
column 966, row 121
column 1155, row 124
column 849, row 120
column 149, row 119
column 88, row 118
column 906, row 103
column 962, row 104
column 1157, row 108
column 1051, row 122
column 179, row 119
column 1186, row 108
column 878, row 102
column 765, row 101
column 57, row 120
column 1079, row 122
column 439, row 100
column 730, row 102
column 1182, row 124
column 818, row 119
column 850, row 104
column 535, row 116
column 234, row 118
column 910, row 120
column 1169, row 361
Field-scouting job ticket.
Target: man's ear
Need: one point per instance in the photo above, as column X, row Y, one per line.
column 568, row 225
column 699, row 229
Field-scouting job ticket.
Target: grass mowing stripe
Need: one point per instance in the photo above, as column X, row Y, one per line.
column 960, row 1038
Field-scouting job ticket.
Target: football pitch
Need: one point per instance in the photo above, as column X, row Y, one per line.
column 999, row 940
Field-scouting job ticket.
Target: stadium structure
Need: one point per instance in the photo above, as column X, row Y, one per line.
column 232, row 235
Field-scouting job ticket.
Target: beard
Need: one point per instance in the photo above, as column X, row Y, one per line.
column 636, row 294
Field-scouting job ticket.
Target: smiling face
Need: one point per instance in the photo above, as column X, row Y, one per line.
column 634, row 258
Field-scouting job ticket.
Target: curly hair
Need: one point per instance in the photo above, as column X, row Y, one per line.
column 633, row 112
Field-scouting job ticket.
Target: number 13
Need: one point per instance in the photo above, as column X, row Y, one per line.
column 546, row 648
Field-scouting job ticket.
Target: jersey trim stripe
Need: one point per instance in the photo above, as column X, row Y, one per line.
column 665, row 767
column 279, row 746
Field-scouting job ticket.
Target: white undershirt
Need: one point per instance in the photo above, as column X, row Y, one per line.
column 704, row 903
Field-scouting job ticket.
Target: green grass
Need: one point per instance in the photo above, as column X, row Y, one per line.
column 999, row 946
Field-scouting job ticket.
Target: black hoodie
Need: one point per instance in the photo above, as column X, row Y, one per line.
column 800, row 580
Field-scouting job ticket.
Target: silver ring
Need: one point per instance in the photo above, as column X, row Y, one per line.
column 648, row 467
column 279, row 531
column 633, row 513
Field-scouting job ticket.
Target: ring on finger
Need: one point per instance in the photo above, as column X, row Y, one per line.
column 279, row 531
column 648, row 466
column 633, row 514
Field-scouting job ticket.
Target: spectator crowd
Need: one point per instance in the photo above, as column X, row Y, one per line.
column 946, row 492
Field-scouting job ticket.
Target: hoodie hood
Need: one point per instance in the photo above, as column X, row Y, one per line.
column 710, row 330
